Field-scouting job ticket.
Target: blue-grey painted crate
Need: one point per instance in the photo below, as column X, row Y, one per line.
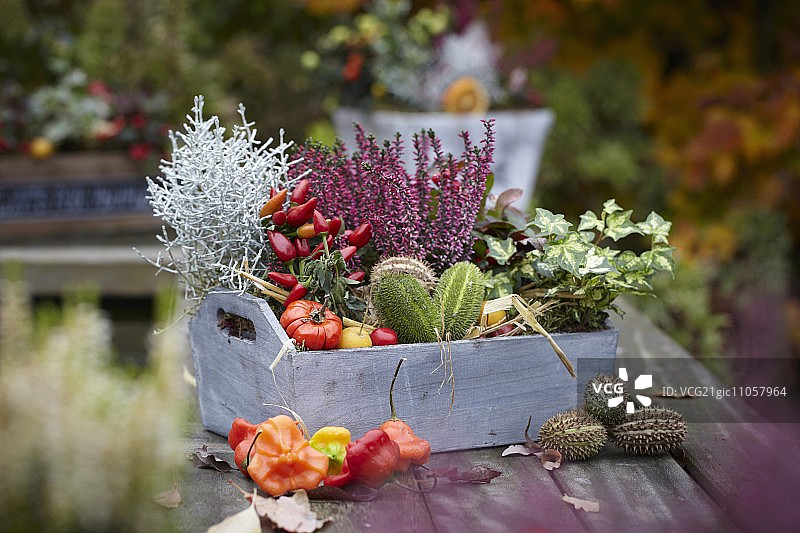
column 499, row 382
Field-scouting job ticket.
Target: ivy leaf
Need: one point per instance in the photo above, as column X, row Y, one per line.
column 619, row 225
column 596, row 264
column 550, row 224
column 587, row 236
column 589, row 221
column 569, row 253
column 610, row 206
column 659, row 258
column 500, row 250
column 656, row 226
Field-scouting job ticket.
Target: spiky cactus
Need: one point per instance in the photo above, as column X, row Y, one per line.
column 404, row 265
column 459, row 296
column 405, row 306
column 649, row 431
column 575, row 434
column 595, row 399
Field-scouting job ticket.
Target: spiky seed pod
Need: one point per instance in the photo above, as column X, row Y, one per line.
column 576, row 434
column 405, row 306
column 459, row 297
column 595, row 399
column 649, row 431
column 404, row 265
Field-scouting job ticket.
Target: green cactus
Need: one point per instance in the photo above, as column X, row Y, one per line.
column 458, row 297
column 596, row 399
column 405, row 306
column 576, row 434
column 649, row 431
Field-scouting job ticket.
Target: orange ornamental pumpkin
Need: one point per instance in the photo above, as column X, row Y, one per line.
column 310, row 323
column 283, row 460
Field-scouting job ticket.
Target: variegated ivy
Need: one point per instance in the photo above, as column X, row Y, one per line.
column 584, row 266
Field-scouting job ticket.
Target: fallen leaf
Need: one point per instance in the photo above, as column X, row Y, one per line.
column 516, row 449
column 169, row 498
column 292, row 514
column 246, row 521
column 529, row 442
column 550, row 459
column 475, row 474
column 356, row 493
column 587, row 505
column 203, row 459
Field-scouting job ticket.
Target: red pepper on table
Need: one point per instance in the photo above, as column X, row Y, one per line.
column 358, row 275
column 348, row 252
column 283, row 279
column 279, row 218
column 297, row 292
column 240, row 439
column 282, row 246
column 412, row 448
column 302, row 247
column 370, row 460
column 320, row 224
column 300, row 191
column 361, row 235
column 318, row 249
column 300, row 214
column 334, row 225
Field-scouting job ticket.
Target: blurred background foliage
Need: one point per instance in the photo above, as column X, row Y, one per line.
column 691, row 109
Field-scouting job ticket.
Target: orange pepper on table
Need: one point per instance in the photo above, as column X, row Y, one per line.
column 412, row 448
column 283, row 460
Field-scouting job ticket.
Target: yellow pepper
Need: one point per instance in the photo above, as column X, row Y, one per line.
column 332, row 441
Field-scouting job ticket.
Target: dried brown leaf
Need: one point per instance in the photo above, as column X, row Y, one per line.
column 529, row 442
column 169, row 498
column 550, row 459
column 516, row 449
column 587, row 505
column 289, row 513
column 246, row 521
column 203, row 459
column 506, row 198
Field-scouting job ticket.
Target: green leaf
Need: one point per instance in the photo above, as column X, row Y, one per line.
column 589, row 221
column 569, row 254
column 619, row 225
column 596, row 264
column 659, row 258
column 500, row 250
column 550, row 224
column 656, row 226
column 610, row 206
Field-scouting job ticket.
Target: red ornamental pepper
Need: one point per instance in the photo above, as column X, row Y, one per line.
column 302, row 247
column 358, row 275
column 297, row 292
column 318, row 249
column 300, row 191
column 334, row 225
column 282, row 279
column 361, row 235
column 279, row 218
column 348, row 252
column 282, row 246
column 272, row 192
column 370, row 460
column 240, row 438
column 320, row 224
column 300, row 214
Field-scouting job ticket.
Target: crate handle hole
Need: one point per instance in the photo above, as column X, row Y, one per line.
column 236, row 326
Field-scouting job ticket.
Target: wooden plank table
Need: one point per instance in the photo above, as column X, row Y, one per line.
column 726, row 477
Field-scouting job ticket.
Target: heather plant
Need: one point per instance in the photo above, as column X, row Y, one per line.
column 428, row 214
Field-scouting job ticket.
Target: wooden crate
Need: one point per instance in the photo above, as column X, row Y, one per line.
column 499, row 382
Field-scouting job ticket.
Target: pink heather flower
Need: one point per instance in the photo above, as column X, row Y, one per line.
column 428, row 214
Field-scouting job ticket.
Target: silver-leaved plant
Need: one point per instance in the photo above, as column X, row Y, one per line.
column 209, row 197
